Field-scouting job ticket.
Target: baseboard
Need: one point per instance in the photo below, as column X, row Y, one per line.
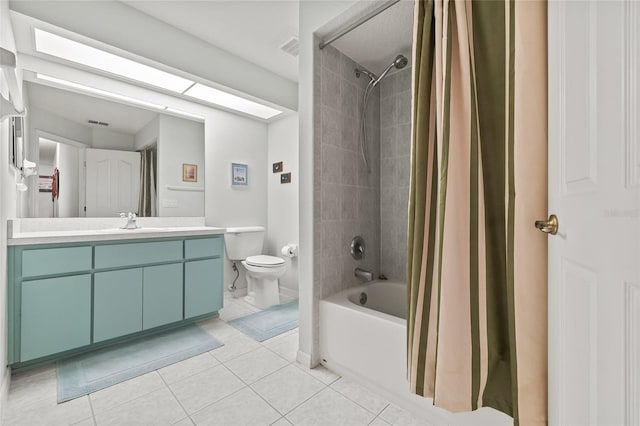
column 4, row 392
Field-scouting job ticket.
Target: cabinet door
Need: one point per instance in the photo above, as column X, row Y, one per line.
column 162, row 295
column 202, row 287
column 117, row 303
column 56, row 315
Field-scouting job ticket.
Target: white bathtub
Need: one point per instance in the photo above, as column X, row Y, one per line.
column 367, row 343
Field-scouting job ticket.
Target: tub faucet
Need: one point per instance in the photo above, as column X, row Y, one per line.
column 131, row 220
column 363, row 274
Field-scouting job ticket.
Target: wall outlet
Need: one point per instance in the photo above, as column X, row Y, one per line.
column 169, row 203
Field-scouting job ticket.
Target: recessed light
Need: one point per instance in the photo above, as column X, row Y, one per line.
column 99, row 91
column 227, row 100
column 80, row 53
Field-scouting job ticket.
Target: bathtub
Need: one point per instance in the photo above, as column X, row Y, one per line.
column 363, row 338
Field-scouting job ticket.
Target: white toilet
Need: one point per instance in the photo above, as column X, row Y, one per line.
column 245, row 244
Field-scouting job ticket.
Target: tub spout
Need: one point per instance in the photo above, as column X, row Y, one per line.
column 363, row 273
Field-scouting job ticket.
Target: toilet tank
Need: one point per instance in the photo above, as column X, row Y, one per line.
column 242, row 242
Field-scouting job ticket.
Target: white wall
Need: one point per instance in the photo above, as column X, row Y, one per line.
column 109, row 139
column 67, row 163
column 180, row 142
column 7, row 208
column 313, row 15
column 282, row 216
column 233, row 139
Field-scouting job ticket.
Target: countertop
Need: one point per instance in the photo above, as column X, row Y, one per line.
column 37, row 235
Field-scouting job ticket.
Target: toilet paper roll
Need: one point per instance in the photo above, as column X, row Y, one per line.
column 290, row 250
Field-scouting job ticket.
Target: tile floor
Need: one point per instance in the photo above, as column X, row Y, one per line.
column 240, row 383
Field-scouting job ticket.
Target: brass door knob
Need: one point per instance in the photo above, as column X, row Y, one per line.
column 549, row 226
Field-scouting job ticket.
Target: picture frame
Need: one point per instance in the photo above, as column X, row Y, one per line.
column 239, row 174
column 189, row 173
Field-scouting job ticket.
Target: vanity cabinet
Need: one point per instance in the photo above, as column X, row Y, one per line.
column 65, row 298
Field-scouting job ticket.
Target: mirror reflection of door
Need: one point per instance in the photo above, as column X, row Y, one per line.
column 113, row 182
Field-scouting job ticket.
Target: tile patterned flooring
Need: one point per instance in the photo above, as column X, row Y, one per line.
column 241, row 383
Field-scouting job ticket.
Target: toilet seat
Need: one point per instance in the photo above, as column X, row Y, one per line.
column 264, row 261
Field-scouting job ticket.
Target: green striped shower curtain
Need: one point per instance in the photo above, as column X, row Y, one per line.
column 477, row 324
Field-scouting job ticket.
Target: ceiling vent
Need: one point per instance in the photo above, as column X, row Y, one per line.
column 291, row 46
column 98, row 123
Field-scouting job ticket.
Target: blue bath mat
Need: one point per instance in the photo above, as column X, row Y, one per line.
column 272, row 321
column 87, row 373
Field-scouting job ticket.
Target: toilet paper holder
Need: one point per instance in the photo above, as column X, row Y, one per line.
column 290, row 250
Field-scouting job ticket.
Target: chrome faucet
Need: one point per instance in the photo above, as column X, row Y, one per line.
column 131, row 220
column 363, row 274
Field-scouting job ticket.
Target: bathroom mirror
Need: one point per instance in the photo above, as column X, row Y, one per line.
column 97, row 157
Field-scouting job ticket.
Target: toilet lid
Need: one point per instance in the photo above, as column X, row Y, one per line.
column 264, row 261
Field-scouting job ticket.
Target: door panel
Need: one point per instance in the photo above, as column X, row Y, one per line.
column 594, row 332
column 56, row 315
column 162, row 295
column 202, row 287
column 117, row 303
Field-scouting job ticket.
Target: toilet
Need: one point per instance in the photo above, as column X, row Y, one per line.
column 244, row 244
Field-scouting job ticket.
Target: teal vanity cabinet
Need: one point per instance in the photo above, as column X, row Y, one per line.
column 66, row 298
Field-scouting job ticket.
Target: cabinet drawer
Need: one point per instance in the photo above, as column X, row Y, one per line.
column 55, row 261
column 203, row 247
column 115, row 255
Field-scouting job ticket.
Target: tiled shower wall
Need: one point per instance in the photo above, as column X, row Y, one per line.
column 346, row 196
column 395, row 165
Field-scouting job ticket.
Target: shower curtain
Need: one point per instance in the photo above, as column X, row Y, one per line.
column 476, row 329
column 147, row 202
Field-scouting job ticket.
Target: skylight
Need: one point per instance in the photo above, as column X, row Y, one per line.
column 83, row 54
column 99, row 91
column 227, row 100
column 70, row 50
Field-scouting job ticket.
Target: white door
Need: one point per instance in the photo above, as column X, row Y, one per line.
column 113, row 182
column 594, row 187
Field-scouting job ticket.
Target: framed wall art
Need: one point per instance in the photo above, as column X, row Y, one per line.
column 239, row 174
column 189, row 173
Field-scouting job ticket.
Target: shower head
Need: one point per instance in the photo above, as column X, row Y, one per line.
column 399, row 62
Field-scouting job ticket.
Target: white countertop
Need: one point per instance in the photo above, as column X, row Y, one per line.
column 22, row 232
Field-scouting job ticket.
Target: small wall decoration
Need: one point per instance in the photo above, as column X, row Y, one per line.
column 189, row 173
column 285, row 178
column 239, row 174
column 277, row 167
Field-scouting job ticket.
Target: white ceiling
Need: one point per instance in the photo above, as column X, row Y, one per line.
column 255, row 29
column 252, row 30
column 377, row 42
column 81, row 108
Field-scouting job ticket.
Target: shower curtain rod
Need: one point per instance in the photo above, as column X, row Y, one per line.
column 357, row 23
